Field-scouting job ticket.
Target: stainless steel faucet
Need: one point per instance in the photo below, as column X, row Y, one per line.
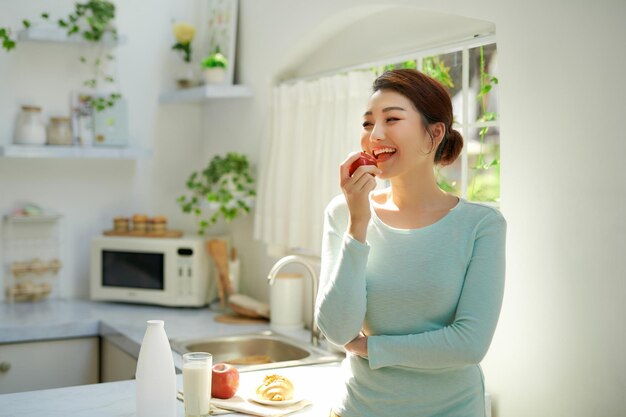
column 315, row 331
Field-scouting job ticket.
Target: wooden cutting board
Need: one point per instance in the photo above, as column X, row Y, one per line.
column 132, row 233
column 233, row 319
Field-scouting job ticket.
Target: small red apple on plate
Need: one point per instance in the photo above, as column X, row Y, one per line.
column 364, row 159
column 224, row 381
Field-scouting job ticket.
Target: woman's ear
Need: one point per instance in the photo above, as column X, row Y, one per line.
column 439, row 131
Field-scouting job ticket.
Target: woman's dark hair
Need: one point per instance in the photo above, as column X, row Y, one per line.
column 432, row 101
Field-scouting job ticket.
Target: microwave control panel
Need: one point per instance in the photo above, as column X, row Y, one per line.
column 185, row 270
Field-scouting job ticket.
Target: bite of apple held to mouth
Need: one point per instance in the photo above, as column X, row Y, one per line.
column 364, row 159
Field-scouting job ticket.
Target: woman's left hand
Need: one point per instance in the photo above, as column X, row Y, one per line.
column 358, row 345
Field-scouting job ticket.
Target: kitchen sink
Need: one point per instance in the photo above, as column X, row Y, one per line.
column 255, row 351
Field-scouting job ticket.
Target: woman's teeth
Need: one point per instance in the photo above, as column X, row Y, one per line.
column 383, row 151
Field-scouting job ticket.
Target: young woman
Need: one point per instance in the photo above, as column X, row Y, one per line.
column 412, row 277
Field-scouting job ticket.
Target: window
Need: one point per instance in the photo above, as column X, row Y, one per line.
column 468, row 70
column 313, row 124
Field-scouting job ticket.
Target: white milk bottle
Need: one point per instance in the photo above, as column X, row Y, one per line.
column 197, row 383
column 155, row 375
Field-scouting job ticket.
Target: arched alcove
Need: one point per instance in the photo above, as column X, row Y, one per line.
column 369, row 33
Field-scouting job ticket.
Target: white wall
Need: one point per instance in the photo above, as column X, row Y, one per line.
column 558, row 348
column 89, row 193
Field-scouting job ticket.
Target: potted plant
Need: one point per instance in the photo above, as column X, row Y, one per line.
column 214, row 67
column 224, row 188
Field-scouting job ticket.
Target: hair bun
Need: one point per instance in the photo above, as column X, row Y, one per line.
column 450, row 148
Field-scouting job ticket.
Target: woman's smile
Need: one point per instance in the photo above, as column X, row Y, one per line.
column 383, row 153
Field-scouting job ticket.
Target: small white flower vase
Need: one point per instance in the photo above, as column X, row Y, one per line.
column 185, row 75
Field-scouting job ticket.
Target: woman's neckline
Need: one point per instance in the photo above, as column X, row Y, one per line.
column 378, row 220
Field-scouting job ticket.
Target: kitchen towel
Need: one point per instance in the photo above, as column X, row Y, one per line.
column 242, row 405
column 213, row 410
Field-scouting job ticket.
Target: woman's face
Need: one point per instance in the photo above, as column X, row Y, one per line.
column 393, row 132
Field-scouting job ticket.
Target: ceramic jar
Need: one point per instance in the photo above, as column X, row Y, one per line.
column 30, row 128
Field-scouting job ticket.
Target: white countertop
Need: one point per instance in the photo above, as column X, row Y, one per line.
column 58, row 319
column 54, row 319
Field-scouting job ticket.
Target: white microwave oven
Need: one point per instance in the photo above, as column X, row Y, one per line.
column 163, row 271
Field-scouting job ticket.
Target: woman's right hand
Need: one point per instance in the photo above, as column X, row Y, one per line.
column 356, row 189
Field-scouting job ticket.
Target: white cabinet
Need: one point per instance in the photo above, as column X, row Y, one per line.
column 51, row 364
column 115, row 364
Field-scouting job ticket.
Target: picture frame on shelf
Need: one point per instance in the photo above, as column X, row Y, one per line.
column 98, row 128
column 222, row 32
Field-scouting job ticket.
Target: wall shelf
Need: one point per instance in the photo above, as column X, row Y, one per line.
column 28, row 151
column 58, row 35
column 206, row 93
column 12, row 218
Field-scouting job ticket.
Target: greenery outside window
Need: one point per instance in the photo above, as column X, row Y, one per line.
column 468, row 70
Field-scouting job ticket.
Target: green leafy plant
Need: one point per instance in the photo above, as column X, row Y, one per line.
column 215, row 60
column 444, row 183
column 480, row 188
column 95, row 17
column 91, row 20
column 436, row 68
column 224, row 188
column 8, row 43
column 410, row 64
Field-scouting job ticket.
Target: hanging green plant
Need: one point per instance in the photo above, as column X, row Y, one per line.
column 487, row 81
column 93, row 21
column 437, row 68
column 224, row 189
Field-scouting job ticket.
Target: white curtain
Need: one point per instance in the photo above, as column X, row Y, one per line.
column 313, row 126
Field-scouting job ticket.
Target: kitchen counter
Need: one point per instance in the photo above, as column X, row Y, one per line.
column 125, row 325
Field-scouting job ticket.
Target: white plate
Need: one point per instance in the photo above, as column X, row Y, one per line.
column 276, row 403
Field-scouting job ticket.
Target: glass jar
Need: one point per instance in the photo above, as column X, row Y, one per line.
column 30, row 128
column 59, row 131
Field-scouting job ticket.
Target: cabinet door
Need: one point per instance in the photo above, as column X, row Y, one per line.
column 50, row 364
column 116, row 365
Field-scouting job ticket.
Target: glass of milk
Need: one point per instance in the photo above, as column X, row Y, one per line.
column 197, row 383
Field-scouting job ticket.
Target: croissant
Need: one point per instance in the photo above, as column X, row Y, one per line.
column 275, row 388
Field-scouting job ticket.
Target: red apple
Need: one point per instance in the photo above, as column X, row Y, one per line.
column 364, row 159
column 224, row 381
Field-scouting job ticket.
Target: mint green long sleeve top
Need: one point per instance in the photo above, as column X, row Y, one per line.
column 428, row 299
